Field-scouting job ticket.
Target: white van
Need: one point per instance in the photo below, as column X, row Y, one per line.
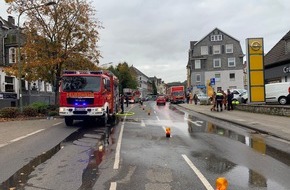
column 278, row 93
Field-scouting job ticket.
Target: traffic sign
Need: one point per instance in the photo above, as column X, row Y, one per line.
column 212, row 81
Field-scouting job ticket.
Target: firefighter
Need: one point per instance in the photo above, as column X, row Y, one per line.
column 122, row 103
column 219, row 100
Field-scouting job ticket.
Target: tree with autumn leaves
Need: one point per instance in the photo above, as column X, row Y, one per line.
column 60, row 37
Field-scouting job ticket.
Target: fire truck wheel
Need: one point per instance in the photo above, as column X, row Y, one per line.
column 104, row 120
column 68, row 121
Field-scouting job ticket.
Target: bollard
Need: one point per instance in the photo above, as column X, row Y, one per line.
column 221, row 183
column 149, row 112
column 167, row 132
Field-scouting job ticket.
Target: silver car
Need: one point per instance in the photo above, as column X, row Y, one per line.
column 240, row 95
column 203, row 99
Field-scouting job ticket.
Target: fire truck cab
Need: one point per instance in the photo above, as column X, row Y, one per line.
column 88, row 95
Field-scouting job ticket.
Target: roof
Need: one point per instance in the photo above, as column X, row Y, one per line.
column 278, row 53
column 139, row 72
column 6, row 24
column 213, row 31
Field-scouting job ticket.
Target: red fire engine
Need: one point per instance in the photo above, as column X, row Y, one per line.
column 88, row 95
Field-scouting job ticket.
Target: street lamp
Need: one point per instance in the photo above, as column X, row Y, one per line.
column 106, row 64
column 19, row 53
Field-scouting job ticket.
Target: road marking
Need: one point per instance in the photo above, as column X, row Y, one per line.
column 143, row 123
column 198, row 173
column 113, row 186
column 1, row 145
column 19, row 138
column 57, row 123
column 157, row 118
column 197, row 123
column 118, row 149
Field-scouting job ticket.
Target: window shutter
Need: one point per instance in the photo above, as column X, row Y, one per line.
column 223, row 49
column 210, row 50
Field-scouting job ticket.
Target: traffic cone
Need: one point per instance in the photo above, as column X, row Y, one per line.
column 167, row 132
column 221, row 183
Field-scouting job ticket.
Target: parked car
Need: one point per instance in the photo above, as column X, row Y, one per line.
column 278, row 93
column 203, row 99
column 161, row 100
column 240, row 95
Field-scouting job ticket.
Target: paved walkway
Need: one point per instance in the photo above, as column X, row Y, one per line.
column 278, row 126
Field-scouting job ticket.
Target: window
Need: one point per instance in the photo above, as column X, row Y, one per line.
column 9, row 84
column 197, row 64
column 214, row 38
column 232, row 76
column 216, row 63
column 12, row 55
column 217, row 77
column 198, row 78
column 231, row 62
column 229, row 48
column 216, row 49
column 204, row 50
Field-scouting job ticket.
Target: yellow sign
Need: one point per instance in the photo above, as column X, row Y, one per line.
column 255, row 62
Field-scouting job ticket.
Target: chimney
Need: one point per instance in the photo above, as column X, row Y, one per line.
column 11, row 20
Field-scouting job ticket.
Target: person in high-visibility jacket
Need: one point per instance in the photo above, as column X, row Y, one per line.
column 219, row 100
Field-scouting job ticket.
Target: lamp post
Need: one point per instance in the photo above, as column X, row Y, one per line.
column 106, row 64
column 19, row 52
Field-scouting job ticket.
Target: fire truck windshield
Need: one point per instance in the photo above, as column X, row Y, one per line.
column 81, row 83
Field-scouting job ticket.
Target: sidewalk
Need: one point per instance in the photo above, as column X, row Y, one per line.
column 278, row 126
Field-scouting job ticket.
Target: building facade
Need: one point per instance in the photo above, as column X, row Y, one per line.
column 9, row 85
column 216, row 59
column 144, row 86
column 277, row 61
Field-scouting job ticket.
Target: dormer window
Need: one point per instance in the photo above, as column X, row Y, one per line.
column 215, row 38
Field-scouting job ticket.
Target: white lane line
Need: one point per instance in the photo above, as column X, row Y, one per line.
column 19, row 138
column 57, row 123
column 2, row 145
column 157, row 118
column 197, row 123
column 113, row 186
column 143, row 123
column 198, row 173
column 118, row 149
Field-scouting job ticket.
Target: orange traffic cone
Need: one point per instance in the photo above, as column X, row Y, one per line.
column 167, row 132
column 221, row 183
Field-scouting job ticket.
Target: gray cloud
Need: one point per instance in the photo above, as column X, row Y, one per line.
column 154, row 35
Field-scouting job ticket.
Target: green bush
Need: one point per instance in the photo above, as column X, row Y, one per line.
column 52, row 113
column 52, row 107
column 41, row 107
column 9, row 112
column 30, row 111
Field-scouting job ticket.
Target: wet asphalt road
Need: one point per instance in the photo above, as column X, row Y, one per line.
column 149, row 160
column 199, row 150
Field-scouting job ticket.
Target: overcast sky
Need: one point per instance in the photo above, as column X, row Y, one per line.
column 154, row 35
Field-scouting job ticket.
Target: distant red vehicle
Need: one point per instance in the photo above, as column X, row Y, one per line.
column 161, row 100
column 176, row 94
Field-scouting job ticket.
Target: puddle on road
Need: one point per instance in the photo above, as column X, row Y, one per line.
column 238, row 175
column 90, row 173
column 218, row 165
column 254, row 141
